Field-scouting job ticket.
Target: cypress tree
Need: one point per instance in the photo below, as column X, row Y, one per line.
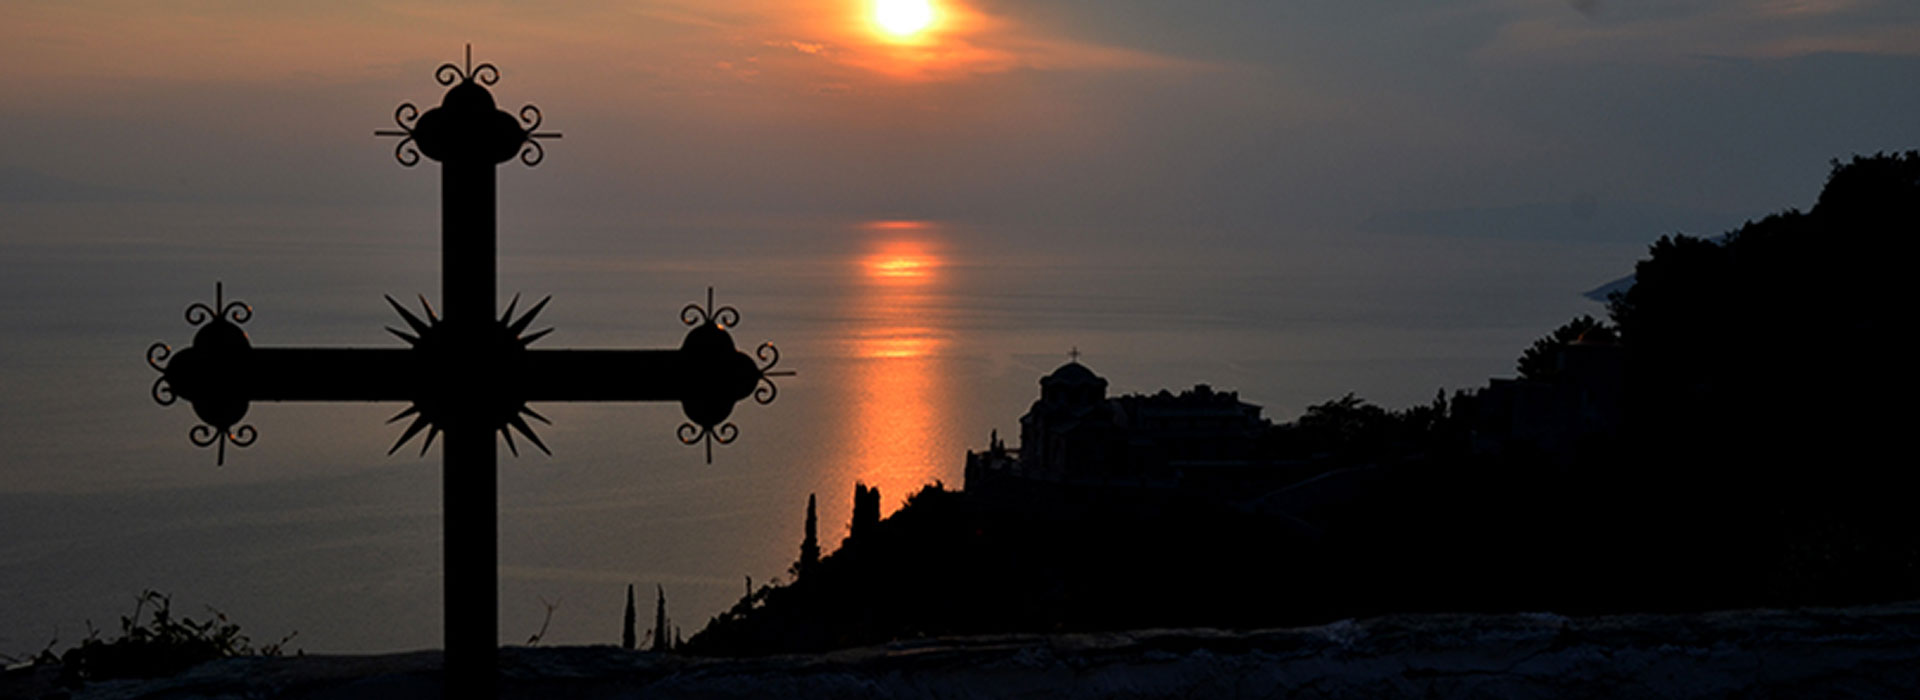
column 662, row 637
column 627, row 639
column 810, row 546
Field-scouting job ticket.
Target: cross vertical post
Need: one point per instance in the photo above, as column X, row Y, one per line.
column 469, row 470
column 470, row 137
column 466, row 373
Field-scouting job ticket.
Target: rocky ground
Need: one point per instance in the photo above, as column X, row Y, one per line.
column 1815, row 653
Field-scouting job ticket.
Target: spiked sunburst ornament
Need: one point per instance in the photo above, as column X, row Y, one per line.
column 505, row 346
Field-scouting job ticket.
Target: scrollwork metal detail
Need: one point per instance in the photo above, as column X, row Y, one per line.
column 695, row 314
column 157, row 355
column 725, row 433
column 531, row 152
column 406, row 152
column 764, row 391
column 406, row 116
column 207, row 436
column 450, row 73
column 199, row 313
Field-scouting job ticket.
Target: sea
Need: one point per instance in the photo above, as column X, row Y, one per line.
column 913, row 341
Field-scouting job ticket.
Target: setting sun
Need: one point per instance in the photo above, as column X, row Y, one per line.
column 903, row 18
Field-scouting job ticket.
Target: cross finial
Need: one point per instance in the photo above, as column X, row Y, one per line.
column 1074, row 354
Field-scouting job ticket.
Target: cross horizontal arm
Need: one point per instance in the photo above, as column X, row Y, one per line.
column 332, row 374
column 636, row 375
column 400, row 374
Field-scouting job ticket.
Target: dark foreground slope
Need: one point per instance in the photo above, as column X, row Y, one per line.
column 1814, row 653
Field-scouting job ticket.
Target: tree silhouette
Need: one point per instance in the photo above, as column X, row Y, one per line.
column 1344, row 418
column 1764, row 389
column 1537, row 363
column 1779, row 329
column 809, row 546
column 662, row 636
column 627, row 638
column 866, row 509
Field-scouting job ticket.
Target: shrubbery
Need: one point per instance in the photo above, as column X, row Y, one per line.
column 161, row 645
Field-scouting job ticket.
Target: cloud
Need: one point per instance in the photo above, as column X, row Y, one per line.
column 1733, row 28
column 800, row 46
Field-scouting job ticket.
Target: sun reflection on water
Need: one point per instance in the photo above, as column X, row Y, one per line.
column 901, row 387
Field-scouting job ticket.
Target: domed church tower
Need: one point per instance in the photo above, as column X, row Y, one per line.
column 1067, row 424
column 1072, row 385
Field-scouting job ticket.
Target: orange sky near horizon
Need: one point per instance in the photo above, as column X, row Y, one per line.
column 1135, row 113
column 823, row 45
column 775, row 88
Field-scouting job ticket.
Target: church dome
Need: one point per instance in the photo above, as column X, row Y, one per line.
column 1072, row 374
column 1073, row 384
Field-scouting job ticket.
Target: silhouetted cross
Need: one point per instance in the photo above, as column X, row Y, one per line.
column 467, row 373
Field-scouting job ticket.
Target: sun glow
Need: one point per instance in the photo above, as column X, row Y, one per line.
column 901, row 257
column 902, row 18
column 899, row 267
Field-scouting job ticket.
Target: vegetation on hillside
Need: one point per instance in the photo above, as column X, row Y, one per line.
column 154, row 643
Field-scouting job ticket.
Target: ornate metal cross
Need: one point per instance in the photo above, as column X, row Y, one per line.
column 467, row 373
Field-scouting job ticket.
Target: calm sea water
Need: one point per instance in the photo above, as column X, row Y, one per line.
column 913, row 340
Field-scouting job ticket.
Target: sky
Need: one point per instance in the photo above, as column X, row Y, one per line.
column 1121, row 120
column 1292, row 198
